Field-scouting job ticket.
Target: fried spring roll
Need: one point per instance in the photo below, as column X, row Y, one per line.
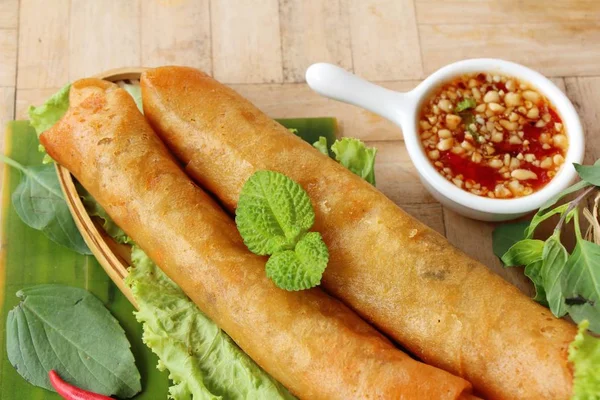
column 310, row 342
column 396, row 272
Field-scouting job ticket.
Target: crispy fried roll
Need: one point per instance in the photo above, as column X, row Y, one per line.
column 396, row 272
column 310, row 342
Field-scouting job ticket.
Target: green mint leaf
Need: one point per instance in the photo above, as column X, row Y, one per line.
column 465, row 104
column 357, row 157
column 69, row 330
column 203, row 361
column 523, row 253
column 554, row 258
column 273, row 213
column 301, row 268
column 45, row 116
column 506, row 235
column 540, row 217
column 321, row 145
column 584, row 354
column 581, row 287
column 39, row 202
column 589, row 173
column 293, row 130
column 534, row 272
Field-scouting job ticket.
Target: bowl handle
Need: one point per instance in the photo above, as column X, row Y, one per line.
column 336, row 83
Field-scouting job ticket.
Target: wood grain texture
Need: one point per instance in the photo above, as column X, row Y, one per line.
column 176, row 32
column 9, row 14
column 246, row 50
column 298, row 100
column 103, row 35
column 385, row 42
column 28, row 97
column 585, row 95
column 566, row 49
column 313, row 31
column 8, row 57
column 44, row 44
column 475, row 12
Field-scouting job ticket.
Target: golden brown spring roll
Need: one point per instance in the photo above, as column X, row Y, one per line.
column 396, row 272
column 310, row 342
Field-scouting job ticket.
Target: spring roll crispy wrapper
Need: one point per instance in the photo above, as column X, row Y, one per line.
column 396, row 272
column 312, row 343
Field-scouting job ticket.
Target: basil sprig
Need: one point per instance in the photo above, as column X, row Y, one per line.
column 566, row 283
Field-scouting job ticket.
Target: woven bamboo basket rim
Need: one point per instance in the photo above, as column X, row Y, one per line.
column 112, row 256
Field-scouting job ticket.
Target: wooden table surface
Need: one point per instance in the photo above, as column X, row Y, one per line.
column 262, row 48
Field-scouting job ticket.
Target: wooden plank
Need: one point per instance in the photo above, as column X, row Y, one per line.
column 44, row 44
column 313, row 31
column 176, row 32
column 29, row 97
column 585, row 95
column 385, row 41
column 298, row 100
column 476, row 12
column 9, row 14
column 8, row 57
column 397, row 176
column 246, row 41
column 103, row 35
column 7, row 110
column 569, row 49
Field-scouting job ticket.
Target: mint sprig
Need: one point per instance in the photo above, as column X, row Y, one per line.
column 273, row 217
column 566, row 283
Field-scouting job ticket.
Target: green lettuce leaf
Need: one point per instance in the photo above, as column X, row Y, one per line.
column 45, row 116
column 321, row 145
column 94, row 209
column 134, row 91
column 584, row 353
column 357, row 157
column 203, row 362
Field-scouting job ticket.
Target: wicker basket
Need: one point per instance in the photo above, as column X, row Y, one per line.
column 114, row 257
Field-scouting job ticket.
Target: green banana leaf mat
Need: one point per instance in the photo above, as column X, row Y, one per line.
column 28, row 258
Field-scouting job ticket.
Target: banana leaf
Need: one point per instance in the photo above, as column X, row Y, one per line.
column 310, row 129
column 29, row 258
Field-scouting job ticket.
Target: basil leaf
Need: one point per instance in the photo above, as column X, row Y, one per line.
column 571, row 189
column 554, row 258
column 541, row 217
column 505, row 236
column 533, row 271
column 523, row 253
column 39, row 202
column 582, row 284
column 589, row 173
column 273, row 213
column 69, row 330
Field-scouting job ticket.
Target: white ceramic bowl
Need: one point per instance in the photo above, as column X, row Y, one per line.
column 403, row 108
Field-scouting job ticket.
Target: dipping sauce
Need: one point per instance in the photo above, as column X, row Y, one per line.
column 492, row 135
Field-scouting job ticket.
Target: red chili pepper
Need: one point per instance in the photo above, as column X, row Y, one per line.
column 70, row 392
